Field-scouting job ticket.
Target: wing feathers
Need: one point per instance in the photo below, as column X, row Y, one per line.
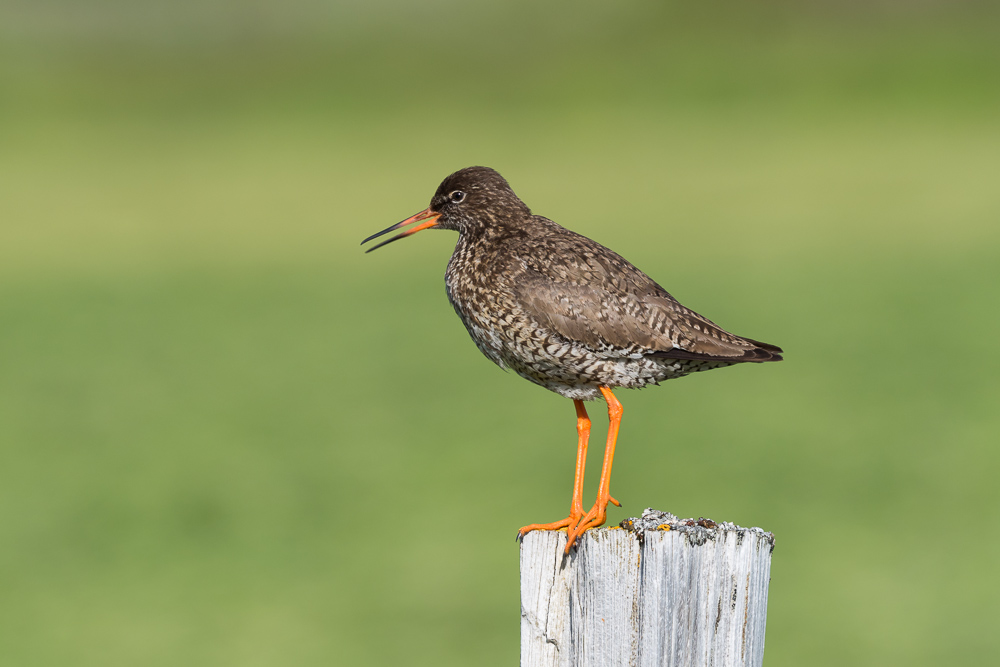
column 593, row 296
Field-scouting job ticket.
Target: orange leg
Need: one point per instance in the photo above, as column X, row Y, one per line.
column 576, row 507
column 598, row 513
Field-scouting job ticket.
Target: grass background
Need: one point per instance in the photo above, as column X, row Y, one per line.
column 227, row 437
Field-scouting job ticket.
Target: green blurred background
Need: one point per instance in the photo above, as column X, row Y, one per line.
column 230, row 438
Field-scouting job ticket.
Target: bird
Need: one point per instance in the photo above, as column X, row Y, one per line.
column 566, row 313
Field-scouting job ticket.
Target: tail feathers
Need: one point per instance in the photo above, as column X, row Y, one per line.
column 764, row 346
column 759, row 354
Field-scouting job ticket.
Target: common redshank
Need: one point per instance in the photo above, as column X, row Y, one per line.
column 566, row 313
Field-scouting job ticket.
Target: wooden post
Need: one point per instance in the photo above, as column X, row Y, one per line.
column 657, row 591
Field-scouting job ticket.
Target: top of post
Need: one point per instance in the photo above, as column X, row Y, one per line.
column 697, row 531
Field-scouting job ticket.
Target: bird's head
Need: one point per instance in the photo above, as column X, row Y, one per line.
column 469, row 201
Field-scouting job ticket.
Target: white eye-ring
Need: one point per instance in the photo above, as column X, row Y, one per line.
column 457, row 197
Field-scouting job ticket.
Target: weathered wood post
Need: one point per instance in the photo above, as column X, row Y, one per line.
column 659, row 591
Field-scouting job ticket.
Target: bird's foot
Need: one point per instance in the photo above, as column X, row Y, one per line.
column 597, row 515
column 568, row 523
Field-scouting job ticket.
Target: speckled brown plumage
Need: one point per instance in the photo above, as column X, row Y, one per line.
column 560, row 309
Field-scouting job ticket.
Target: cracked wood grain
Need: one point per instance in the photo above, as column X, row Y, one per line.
column 690, row 593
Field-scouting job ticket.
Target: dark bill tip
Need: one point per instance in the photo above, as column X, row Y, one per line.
column 427, row 219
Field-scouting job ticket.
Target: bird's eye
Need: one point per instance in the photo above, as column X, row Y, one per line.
column 457, row 197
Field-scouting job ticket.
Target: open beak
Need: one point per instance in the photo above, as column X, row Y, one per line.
column 427, row 219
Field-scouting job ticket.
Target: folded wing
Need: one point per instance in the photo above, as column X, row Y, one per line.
column 593, row 296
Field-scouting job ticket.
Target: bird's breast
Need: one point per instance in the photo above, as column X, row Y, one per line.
column 477, row 291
